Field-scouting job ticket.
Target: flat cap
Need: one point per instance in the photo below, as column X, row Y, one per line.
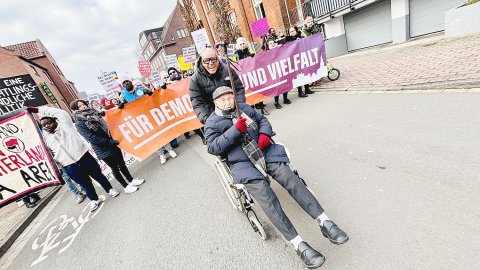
column 222, row 90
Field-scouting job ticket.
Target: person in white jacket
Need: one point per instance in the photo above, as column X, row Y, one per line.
column 71, row 152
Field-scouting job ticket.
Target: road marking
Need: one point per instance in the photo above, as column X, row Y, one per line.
column 51, row 240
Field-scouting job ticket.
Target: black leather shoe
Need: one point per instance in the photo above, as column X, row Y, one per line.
column 331, row 231
column 302, row 95
column 277, row 105
column 287, row 101
column 265, row 112
column 309, row 92
column 310, row 257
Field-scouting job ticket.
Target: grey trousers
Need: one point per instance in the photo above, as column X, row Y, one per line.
column 266, row 197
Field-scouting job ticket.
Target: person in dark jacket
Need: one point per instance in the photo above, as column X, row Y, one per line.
column 295, row 34
column 272, row 44
column 174, row 75
column 311, row 28
column 93, row 128
column 224, row 131
column 210, row 74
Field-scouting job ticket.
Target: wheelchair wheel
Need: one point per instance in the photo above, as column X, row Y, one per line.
column 227, row 181
column 257, row 227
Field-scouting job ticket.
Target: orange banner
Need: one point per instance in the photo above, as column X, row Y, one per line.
column 150, row 122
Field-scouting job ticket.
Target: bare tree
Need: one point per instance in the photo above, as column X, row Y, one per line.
column 188, row 14
column 225, row 29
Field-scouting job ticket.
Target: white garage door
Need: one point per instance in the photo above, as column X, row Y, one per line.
column 428, row 16
column 369, row 26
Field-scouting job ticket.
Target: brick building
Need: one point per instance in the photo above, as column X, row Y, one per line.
column 36, row 52
column 166, row 40
column 356, row 24
column 17, row 66
column 243, row 12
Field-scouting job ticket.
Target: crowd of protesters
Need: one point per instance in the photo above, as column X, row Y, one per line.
column 212, row 100
column 87, row 124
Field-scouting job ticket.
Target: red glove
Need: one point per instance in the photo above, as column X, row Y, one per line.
column 263, row 141
column 241, row 125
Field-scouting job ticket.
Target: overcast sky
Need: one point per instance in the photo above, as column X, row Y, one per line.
column 84, row 36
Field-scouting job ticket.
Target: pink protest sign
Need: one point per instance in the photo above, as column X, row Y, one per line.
column 144, row 68
column 260, row 27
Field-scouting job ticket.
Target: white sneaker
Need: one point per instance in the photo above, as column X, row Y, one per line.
column 94, row 205
column 137, row 182
column 172, row 154
column 130, row 189
column 114, row 193
column 163, row 159
column 80, row 197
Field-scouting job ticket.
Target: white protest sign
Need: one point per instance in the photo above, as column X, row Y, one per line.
column 189, row 54
column 172, row 61
column 25, row 164
column 200, row 38
column 109, row 83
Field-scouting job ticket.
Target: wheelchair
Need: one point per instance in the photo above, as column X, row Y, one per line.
column 239, row 197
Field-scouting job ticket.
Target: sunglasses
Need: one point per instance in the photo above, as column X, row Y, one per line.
column 210, row 60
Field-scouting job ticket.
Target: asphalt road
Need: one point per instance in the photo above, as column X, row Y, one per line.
column 398, row 172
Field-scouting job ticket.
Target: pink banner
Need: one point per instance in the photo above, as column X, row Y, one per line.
column 279, row 70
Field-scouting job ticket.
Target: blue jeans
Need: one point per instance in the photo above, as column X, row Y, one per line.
column 70, row 185
column 82, row 170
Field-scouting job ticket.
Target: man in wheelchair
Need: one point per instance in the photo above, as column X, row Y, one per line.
column 225, row 134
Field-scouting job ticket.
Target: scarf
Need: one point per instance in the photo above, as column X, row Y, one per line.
column 92, row 118
column 249, row 146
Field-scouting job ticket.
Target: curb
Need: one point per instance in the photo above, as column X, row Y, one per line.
column 420, row 86
column 21, row 226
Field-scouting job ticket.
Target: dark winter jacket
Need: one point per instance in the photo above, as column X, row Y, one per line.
column 244, row 53
column 223, row 139
column 315, row 29
column 203, row 84
column 101, row 141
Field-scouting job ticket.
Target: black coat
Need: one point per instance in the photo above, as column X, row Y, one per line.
column 102, row 143
column 223, row 139
column 203, row 84
column 244, row 53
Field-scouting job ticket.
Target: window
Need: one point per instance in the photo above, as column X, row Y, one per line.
column 195, row 11
column 182, row 33
column 48, row 77
column 143, row 41
column 233, row 18
column 34, row 70
column 259, row 10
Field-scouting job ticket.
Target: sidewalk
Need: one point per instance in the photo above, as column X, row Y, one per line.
column 424, row 63
column 14, row 219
